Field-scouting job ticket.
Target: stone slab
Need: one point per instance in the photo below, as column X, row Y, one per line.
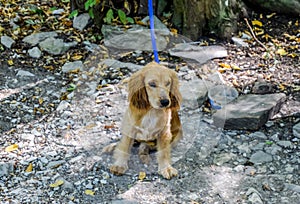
column 249, row 112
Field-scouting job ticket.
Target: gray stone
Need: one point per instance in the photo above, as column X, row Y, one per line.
column 260, row 157
column 135, row 38
column 36, row 38
column 194, row 93
column 71, row 66
column 197, row 53
column 58, row 12
column 7, row 41
column 249, row 112
column 55, row 164
column 296, row 130
column 254, row 196
column 239, row 42
column 56, row 46
column 22, row 73
column 285, row 144
column 292, row 187
column 35, row 52
column 159, row 26
column 117, row 64
column 6, row 168
column 81, row 21
column 223, row 158
column 258, row 135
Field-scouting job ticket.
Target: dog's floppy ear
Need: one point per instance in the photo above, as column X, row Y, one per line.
column 137, row 94
column 174, row 92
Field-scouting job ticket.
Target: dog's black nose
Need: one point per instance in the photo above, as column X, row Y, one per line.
column 164, row 102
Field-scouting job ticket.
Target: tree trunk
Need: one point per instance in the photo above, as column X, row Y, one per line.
column 217, row 16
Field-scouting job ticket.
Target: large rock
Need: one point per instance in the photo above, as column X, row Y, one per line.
column 194, row 93
column 196, row 53
column 56, row 46
column 249, row 112
column 135, row 38
column 36, row 38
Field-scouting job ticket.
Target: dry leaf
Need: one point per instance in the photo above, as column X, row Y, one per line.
column 281, row 52
column 89, row 192
column 234, row 67
column 57, row 183
column 142, row 175
column 29, row 168
column 224, row 65
column 41, row 100
column 10, row 62
column 257, row 23
column 12, row 148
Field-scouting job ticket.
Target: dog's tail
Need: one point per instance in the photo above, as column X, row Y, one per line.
column 109, row 148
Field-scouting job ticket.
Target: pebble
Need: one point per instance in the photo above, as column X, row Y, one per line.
column 7, row 41
column 71, row 66
column 296, row 130
column 35, row 52
column 260, row 157
column 81, row 21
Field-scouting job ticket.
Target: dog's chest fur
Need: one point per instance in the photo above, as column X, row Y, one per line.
column 155, row 123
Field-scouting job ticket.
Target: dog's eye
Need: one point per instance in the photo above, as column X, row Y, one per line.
column 152, row 84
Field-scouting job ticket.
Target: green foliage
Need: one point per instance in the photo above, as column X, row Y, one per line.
column 122, row 17
column 109, row 16
column 71, row 87
column 269, row 142
column 88, row 6
column 73, row 14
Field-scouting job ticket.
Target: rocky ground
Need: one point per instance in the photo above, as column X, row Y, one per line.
column 61, row 104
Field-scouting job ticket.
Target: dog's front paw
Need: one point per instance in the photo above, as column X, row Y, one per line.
column 168, row 172
column 118, row 170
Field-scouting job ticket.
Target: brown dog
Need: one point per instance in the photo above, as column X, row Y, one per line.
column 151, row 118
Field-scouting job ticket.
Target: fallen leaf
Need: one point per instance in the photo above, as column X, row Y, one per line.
column 56, row 184
column 224, row 65
column 142, row 175
column 29, row 168
column 41, row 100
column 12, row 148
column 234, row 67
column 10, row 62
column 281, row 52
column 257, row 23
column 89, row 192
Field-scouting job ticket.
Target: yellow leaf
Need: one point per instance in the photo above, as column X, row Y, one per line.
column 57, row 183
column 29, row 168
column 77, row 57
column 281, row 52
column 10, row 62
column 293, row 55
column 234, row 67
column 41, row 100
column 12, row 148
column 142, row 175
column 257, row 23
column 174, row 31
column 89, row 192
column 281, row 87
column 224, row 65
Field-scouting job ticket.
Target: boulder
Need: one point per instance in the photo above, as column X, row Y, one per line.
column 249, row 112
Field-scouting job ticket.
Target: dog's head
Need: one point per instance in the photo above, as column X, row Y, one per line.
column 154, row 86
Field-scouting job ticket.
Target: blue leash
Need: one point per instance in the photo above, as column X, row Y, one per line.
column 151, row 17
